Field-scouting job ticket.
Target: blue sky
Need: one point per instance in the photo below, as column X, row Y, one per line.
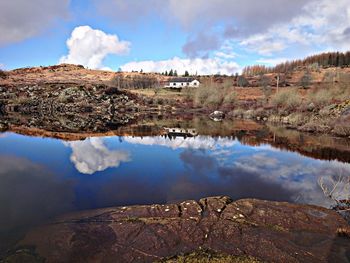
column 155, row 35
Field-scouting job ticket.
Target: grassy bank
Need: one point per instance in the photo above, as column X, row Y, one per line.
column 322, row 106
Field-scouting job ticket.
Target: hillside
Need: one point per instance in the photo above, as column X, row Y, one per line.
column 63, row 73
column 294, row 78
column 69, row 73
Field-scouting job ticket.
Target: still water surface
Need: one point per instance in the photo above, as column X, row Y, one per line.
column 41, row 178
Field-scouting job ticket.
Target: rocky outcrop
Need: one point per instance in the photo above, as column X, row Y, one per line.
column 218, row 228
column 67, row 107
column 65, row 98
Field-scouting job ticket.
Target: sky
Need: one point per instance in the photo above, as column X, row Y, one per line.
column 201, row 36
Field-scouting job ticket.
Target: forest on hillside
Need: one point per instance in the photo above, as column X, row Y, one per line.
column 330, row 59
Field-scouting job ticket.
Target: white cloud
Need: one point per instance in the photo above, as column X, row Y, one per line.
column 263, row 44
column 21, row 19
column 92, row 155
column 223, row 55
column 321, row 25
column 202, row 66
column 89, row 47
column 298, row 176
column 268, row 27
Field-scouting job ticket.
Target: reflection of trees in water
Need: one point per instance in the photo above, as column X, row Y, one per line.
column 337, row 188
column 250, row 133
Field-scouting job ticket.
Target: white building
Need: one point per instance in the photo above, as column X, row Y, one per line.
column 178, row 83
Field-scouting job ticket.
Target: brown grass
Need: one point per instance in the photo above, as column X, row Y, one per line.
column 210, row 257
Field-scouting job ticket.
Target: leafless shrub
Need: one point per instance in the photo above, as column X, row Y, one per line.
column 135, row 82
column 215, row 95
column 230, row 97
column 336, row 187
column 342, row 129
column 201, row 95
column 188, row 93
column 320, row 98
column 287, row 99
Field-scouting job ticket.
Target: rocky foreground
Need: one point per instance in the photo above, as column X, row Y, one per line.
column 212, row 230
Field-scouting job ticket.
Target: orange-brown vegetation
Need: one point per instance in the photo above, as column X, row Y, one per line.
column 330, row 59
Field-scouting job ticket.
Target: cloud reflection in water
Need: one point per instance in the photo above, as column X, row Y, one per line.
column 92, row 155
column 224, row 166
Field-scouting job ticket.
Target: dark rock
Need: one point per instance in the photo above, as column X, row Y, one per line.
column 3, row 126
column 311, row 106
column 346, row 113
column 246, row 229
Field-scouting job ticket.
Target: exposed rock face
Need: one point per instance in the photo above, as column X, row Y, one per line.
column 63, row 98
column 67, row 107
column 250, row 229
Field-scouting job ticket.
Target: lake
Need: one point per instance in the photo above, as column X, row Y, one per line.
column 43, row 177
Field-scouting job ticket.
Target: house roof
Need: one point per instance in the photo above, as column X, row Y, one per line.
column 182, row 79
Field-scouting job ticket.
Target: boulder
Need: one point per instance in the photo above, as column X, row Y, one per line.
column 217, row 115
column 3, row 126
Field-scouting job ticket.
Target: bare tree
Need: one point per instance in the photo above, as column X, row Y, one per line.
column 336, row 187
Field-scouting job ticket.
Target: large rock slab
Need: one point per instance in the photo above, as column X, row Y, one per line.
column 217, row 228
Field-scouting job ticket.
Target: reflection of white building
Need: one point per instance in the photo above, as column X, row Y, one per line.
column 178, row 83
column 181, row 132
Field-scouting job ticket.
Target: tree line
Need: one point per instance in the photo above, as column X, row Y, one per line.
column 173, row 73
column 135, row 82
column 330, row 59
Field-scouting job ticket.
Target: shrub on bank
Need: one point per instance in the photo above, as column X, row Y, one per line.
column 201, row 95
column 230, row 98
column 214, row 96
column 320, row 98
column 328, row 95
column 342, row 92
column 236, row 113
column 286, row 99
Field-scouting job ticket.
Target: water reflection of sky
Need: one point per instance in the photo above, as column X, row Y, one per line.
column 41, row 178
